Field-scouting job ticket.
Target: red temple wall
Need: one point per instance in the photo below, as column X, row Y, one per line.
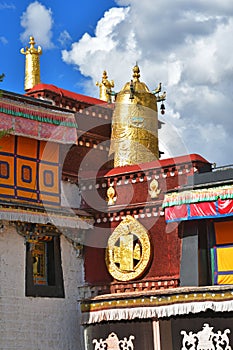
column 165, row 259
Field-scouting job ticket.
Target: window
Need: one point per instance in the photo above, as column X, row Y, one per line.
column 207, row 250
column 43, row 268
column 222, row 252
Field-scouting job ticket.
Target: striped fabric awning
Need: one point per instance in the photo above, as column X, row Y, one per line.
column 37, row 122
column 212, row 202
column 58, row 219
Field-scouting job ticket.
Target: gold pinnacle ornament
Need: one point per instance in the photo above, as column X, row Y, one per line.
column 32, row 64
column 134, row 137
column 129, row 250
column 105, row 88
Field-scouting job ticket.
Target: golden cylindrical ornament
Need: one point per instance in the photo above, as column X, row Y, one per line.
column 32, row 65
column 134, row 137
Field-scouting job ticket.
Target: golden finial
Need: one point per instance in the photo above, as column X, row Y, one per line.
column 105, row 76
column 32, row 64
column 136, row 73
column 105, row 88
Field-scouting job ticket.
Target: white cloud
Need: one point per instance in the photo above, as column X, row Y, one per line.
column 100, row 48
column 37, row 21
column 7, row 6
column 3, row 40
column 64, row 38
column 185, row 44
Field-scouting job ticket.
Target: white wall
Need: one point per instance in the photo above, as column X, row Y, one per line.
column 30, row 323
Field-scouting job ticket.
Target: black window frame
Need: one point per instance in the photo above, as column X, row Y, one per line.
column 55, row 288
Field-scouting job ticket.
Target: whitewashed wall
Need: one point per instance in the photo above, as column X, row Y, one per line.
column 30, row 323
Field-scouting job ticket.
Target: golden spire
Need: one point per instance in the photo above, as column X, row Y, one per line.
column 105, row 88
column 136, row 73
column 32, row 64
column 134, row 137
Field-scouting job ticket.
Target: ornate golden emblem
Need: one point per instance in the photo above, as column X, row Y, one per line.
column 129, row 250
column 111, row 195
column 154, row 190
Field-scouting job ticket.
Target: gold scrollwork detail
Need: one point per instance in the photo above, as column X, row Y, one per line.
column 128, row 253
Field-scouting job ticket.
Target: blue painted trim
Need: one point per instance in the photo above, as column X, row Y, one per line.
column 37, row 171
column 215, row 266
column 59, row 173
column 45, row 173
column 30, row 174
column 15, row 165
column 48, row 163
column 51, row 203
column 5, row 196
column 31, row 200
column 7, row 186
column 224, row 245
column 7, row 154
column 218, row 216
column 50, row 194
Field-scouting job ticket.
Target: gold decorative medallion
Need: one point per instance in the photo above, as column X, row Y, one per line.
column 111, row 198
column 129, row 250
column 154, row 190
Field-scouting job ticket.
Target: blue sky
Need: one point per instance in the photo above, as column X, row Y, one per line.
column 68, row 20
column 186, row 45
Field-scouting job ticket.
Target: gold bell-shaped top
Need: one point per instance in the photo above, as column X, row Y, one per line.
column 134, row 137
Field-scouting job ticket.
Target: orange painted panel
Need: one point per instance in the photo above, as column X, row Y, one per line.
column 8, row 180
column 26, row 174
column 27, row 147
column 47, row 198
column 7, row 144
column 49, row 178
column 26, row 194
column 224, row 232
column 7, row 191
column 49, row 152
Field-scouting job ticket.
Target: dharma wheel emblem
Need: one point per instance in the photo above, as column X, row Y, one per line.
column 129, row 250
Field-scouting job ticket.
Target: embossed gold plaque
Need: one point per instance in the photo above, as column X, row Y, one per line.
column 129, row 250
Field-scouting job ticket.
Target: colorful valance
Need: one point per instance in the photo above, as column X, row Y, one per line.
column 214, row 202
column 195, row 196
column 180, row 301
column 38, row 122
column 39, row 217
column 202, row 210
